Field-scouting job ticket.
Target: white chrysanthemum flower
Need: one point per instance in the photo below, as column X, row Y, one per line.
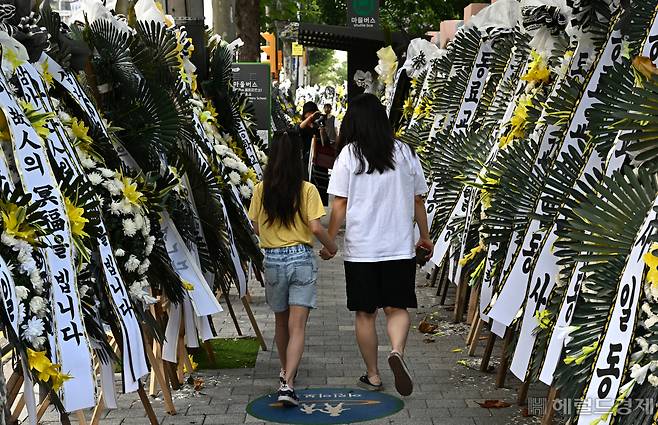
column 132, row 264
column 146, row 227
column 21, row 292
column 653, row 380
column 8, row 240
column 107, row 173
column 63, row 116
column 115, row 208
column 129, row 228
column 95, row 178
column 87, row 162
column 113, row 186
column 242, row 167
column 36, row 280
column 245, row 191
column 230, row 163
column 125, row 206
column 150, row 243
column 119, row 253
column 234, row 177
column 33, row 331
column 38, row 306
column 139, row 221
column 143, row 268
column 137, row 291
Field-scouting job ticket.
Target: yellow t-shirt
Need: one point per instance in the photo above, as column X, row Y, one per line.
column 276, row 235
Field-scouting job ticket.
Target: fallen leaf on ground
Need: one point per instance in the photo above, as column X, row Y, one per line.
column 198, row 384
column 494, row 404
column 457, row 350
column 462, row 362
column 427, row 328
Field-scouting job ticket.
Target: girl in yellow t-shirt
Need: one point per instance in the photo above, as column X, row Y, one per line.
column 286, row 213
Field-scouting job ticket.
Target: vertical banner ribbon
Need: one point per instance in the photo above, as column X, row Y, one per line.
column 134, row 358
column 73, row 351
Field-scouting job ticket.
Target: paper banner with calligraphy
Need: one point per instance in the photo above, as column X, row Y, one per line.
column 559, row 332
column 60, row 148
column 73, row 351
column 515, row 280
column 614, row 347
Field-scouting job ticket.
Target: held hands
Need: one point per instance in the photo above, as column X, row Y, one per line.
column 327, row 253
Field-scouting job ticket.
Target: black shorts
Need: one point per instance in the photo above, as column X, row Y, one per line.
column 381, row 284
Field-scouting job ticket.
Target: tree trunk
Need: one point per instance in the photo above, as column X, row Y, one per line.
column 223, row 18
column 248, row 26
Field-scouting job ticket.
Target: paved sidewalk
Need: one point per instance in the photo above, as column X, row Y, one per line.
column 446, row 392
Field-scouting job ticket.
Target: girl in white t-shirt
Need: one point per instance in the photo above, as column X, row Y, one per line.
column 378, row 184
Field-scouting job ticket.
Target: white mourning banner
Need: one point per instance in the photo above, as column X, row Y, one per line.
column 35, row 91
column 609, row 366
column 72, row 346
column 515, row 282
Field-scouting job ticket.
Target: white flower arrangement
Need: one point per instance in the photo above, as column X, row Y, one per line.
column 227, row 150
column 126, row 212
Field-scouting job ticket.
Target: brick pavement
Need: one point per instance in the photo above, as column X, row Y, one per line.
column 446, row 392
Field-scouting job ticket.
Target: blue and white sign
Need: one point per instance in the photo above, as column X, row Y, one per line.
column 324, row 406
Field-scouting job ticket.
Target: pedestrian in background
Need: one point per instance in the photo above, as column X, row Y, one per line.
column 308, row 130
column 286, row 212
column 378, row 184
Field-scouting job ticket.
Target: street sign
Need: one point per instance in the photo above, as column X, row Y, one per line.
column 253, row 79
column 297, row 49
column 363, row 14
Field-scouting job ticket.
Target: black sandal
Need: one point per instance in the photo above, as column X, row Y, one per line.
column 365, row 383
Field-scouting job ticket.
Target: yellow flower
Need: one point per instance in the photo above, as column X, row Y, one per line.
column 251, row 175
column 46, row 371
column 652, row 262
column 38, row 120
column 209, row 113
column 418, row 112
column 45, row 73
column 11, row 57
column 471, row 255
column 520, row 115
column 408, row 107
column 13, row 219
column 538, row 71
column 81, row 133
column 76, row 218
column 543, row 318
column 187, row 285
column 130, row 191
column 194, row 364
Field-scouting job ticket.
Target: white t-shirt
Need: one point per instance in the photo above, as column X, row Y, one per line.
column 380, row 207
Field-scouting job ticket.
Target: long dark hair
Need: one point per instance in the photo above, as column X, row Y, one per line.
column 367, row 128
column 282, row 179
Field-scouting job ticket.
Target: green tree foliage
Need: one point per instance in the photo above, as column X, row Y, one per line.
column 416, row 17
column 412, row 16
column 324, row 69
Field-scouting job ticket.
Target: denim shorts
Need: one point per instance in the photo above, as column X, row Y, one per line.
column 290, row 276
